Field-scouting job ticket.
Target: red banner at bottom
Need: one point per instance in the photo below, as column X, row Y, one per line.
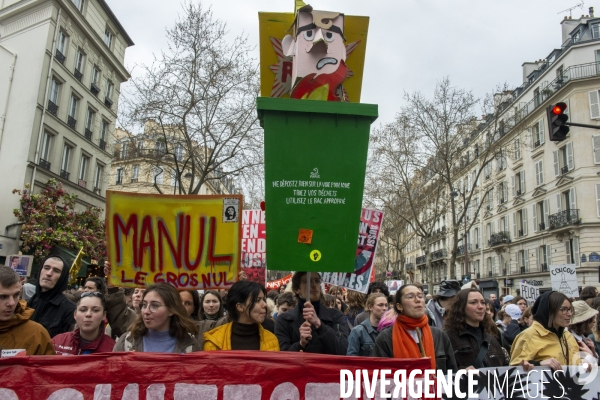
column 218, row 375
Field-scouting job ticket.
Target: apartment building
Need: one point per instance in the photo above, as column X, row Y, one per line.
column 147, row 163
column 61, row 67
column 540, row 200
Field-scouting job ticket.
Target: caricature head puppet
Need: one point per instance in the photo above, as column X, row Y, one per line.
column 319, row 52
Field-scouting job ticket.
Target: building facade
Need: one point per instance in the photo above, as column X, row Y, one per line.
column 61, row 67
column 540, row 200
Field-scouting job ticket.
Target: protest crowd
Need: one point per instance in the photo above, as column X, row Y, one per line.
column 457, row 328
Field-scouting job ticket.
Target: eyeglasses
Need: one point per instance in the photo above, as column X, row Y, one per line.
column 567, row 310
column 411, row 296
column 95, row 294
column 152, row 306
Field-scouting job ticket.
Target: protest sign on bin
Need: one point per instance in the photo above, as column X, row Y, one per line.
column 189, row 241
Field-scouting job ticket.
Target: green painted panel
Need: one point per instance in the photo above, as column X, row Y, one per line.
column 315, row 161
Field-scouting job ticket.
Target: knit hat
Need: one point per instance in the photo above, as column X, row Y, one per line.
column 582, row 312
column 514, row 311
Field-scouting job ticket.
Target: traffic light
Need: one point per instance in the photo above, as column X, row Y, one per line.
column 556, row 122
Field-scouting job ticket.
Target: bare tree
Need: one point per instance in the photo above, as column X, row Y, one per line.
column 199, row 96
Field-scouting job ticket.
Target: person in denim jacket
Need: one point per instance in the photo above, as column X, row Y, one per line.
column 362, row 336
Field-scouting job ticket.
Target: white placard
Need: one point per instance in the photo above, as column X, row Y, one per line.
column 529, row 293
column 564, row 279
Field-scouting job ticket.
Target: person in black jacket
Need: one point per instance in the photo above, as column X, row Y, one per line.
column 472, row 332
column 52, row 309
column 310, row 326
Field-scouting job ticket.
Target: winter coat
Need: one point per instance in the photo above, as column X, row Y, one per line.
column 19, row 332
column 536, row 344
column 220, row 339
column 67, row 344
column 466, row 350
column 52, row 309
column 511, row 331
column 444, row 355
column 330, row 338
column 127, row 343
column 119, row 316
column 362, row 339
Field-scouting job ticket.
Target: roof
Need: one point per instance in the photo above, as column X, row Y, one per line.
column 116, row 22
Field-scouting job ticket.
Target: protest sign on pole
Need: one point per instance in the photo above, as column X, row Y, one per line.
column 394, row 284
column 254, row 249
column 529, row 293
column 272, row 285
column 190, row 242
column 368, row 236
column 564, row 279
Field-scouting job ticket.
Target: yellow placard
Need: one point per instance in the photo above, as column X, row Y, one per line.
column 190, row 242
column 274, row 26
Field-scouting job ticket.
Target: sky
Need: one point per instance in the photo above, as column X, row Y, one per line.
column 412, row 44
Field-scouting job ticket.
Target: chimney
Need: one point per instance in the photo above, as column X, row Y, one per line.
column 591, row 11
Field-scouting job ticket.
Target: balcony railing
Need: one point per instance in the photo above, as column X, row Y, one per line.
column 44, row 164
column 88, row 134
column 60, row 56
column 421, row 260
column 439, row 254
column 94, row 89
column 490, row 274
column 564, row 218
column 108, row 102
column 78, row 74
column 72, row 122
column 52, row 108
column 499, row 238
column 409, row 266
column 460, row 250
column 64, row 174
column 102, row 144
column 542, row 226
column 564, row 170
column 520, row 232
column 544, row 267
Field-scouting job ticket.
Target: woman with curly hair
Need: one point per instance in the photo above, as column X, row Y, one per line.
column 473, row 333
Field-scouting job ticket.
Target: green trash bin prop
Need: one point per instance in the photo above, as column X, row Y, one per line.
column 315, row 162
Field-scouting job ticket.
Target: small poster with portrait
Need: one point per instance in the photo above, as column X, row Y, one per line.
column 20, row 264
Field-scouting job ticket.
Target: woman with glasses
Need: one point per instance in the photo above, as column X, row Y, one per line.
column 411, row 336
column 247, row 307
column 163, row 325
column 473, row 332
column 311, row 326
column 89, row 336
column 546, row 342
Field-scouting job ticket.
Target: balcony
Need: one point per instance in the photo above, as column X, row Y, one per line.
column 88, row 134
column 72, row 122
column 564, row 218
column 60, row 57
column 499, row 238
column 564, row 170
column 523, row 271
column 544, row 267
column 64, row 174
column 102, row 144
column 439, row 254
column 44, row 164
column 409, row 266
column 520, row 232
column 421, row 260
column 108, row 102
column 519, row 192
column 536, row 144
column 52, row 108
column 94, row 89
column 460, row 250
column 542, row 226
column 490, row 274
column 78, row 75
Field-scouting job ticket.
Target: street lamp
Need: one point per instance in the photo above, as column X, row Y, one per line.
column 456, row 193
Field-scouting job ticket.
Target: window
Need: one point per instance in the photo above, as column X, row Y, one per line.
column 46, row 142
column 83, row 167
column 563, row 159
column 536, row 96
column 66, row 159
column 520, row 223
column 103, row 129
column 61, row 45
column 79, row 63
column 179, row 152
column 503, row 192
column 518, row 183
column 517, row 149
column 124, row 149
column 487, row 170
column 160, row 148
column 95, row 75
column 89, row 119
column 502, row 224
column 157, row 175
column 108, row 37
column 490, row 199
column 537, row 134
column 522, row 257
column 73, row 106
column 119, row 176
column 596, row 148
column 109, row 89
column 98, row 178
column 174, row 179
column 543, row 257
column 595, row 31
column 572, row 251
column 541, row 211
column 477, row 238
column 78, row 4
column 539, row 173
column 594, row 100
column 501, row 160
column 54, row 91
column 598, row 199
column 135, row 173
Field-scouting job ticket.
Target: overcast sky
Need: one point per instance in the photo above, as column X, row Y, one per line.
column 411, row 45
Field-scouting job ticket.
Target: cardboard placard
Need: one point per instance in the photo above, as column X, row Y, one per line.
column 529, row 293
column 254, row 246
column 564, row 279
column 191, row 242
column 20, row 264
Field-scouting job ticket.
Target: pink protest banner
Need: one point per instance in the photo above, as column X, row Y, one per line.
column 254, row 255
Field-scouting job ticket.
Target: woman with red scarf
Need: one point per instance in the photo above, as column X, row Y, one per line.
column 411, row 336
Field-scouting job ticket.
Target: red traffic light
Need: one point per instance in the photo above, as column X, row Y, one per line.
column 559, row 108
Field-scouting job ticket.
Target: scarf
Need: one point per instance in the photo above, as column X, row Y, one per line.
column 404, row 345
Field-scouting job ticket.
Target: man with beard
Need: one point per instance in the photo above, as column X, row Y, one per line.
column 317, row 45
